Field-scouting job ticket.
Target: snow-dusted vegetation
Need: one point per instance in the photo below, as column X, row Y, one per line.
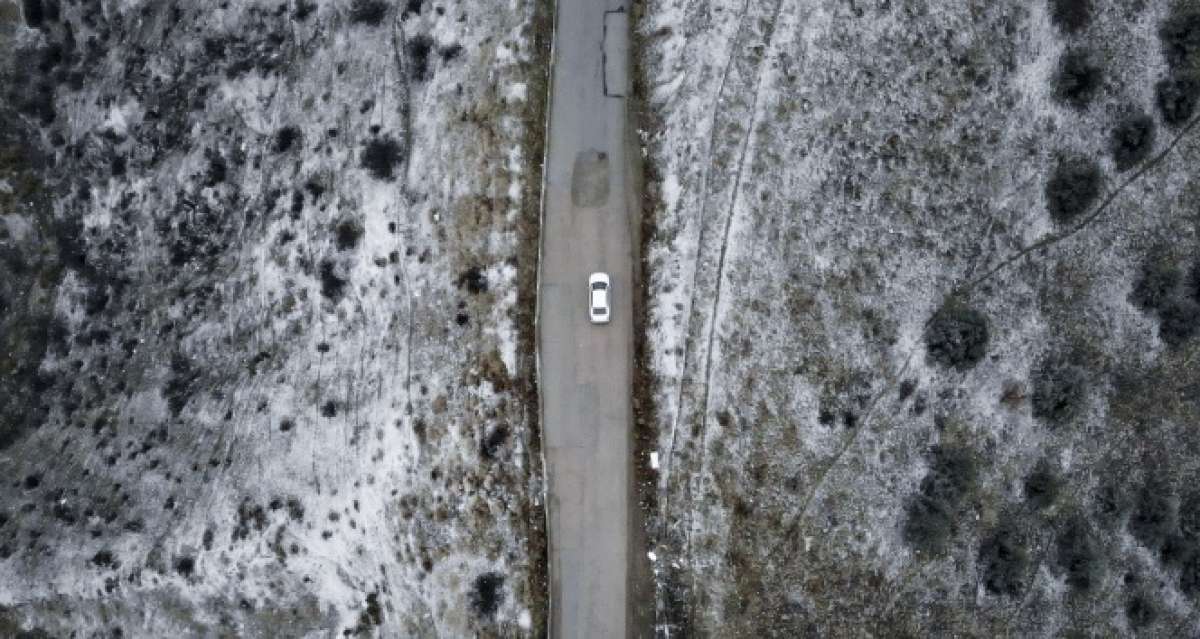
column 266, row 277
column 921, row 327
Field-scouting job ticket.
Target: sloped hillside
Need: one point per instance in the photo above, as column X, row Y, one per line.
column 922, row 319
column 265, row 370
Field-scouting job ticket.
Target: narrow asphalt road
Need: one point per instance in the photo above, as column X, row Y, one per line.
column 586, row 369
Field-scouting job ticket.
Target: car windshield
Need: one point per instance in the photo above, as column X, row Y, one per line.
column 597, row 286
column 598, row 310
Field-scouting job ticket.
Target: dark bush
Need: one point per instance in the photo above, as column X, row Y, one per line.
column 49, row 58
column 329, row 409
column 451, row 52
column 419, row 48
column 369, row 12
column 304, row 9
column 218, row 169
column 1189, row 515
column 1112, row 502
column 1193, row 282
column 1140, row 610
column 104, row 559
column 374, row 611
column 381, row 157
column 249, row 515
column 1155, row 286
column 371, row 616
column 1059, row 390
column 295, row 509
column 1153, row 518
column 951, row 475
column 1176, row 97
column 348, row 233
column 1180, row 37
column 333, row 286
column 957, row 335
column 1005, row 560
column 1072, row 188
column 1189, row 577
column 487, row 594
column 474, row 280
column 1178, row 321
column 929, row 524
column 1131, row 141
column 933, row 512
column 1078, row 79
column 1178, row 550
column 35, row 14
column 185, row 565
column 95, row 299
column 1042, row 486
column 179, row 388
column 286, row 137
column 491, row 444
column 36, row 102
column 1079, row 556
column 1071, row 15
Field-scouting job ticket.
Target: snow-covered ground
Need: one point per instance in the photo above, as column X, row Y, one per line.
column 271, row 373
column 825, row 175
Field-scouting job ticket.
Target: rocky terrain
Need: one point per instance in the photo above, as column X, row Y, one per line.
column 921, row 327
column 266, row 280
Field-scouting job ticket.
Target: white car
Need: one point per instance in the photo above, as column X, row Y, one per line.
column 598, row 298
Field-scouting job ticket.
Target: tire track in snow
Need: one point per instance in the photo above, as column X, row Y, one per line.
column 730, row 214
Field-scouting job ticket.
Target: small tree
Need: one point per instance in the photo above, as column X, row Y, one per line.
column 1059, row 390
column 1005, row 561
column 368, row 12
column 1042, row 486
column 1153, row 518
column 382, row 156
column 1180, row 37
column 487, row 594
column 1078, row 79
column 1078, row 555
column 1131, row 141
column 286, row 137
column 1155, row 285
column 1178, row 321
column 1176, row 97
column 1140, row 610
column 932, row 512
column 1071, row 16
column 1189, row 515
column 957, row 335
column 1072, row 188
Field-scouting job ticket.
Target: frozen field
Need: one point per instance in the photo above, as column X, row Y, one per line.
column 921, row 319
column 266, row 370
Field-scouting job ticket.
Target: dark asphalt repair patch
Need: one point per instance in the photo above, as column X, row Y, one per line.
column 589, row 179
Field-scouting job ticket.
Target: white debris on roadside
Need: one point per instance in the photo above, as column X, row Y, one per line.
column 654, row 459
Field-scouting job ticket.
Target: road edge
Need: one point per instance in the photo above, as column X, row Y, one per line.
column 644, row 478
column 537, row 127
